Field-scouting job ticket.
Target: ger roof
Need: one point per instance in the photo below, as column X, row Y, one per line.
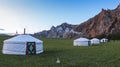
column 94, row 39
column 23, row 38
column 82, row 39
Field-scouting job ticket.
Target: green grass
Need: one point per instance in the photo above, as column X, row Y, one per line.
column 103, row 55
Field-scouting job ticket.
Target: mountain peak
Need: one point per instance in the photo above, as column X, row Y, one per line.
column 65, row 23
column 118, row 7
column 52, row 28
column 103, row 10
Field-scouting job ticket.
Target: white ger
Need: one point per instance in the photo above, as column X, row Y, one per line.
column 95, row 41
column 104, row 40
column 81, row 42
column 22, row 45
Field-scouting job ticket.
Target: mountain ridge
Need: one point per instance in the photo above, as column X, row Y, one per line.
column 106, row 22
column 64, row 30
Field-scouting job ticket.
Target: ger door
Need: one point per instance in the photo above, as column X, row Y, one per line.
column 30, row 48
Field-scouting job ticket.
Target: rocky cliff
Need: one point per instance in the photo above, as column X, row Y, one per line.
column 64, row 30
column 106, row 22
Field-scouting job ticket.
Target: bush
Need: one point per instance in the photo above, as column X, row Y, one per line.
column 115, row 36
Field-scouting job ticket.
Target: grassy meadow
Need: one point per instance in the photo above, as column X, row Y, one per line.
column 103, row 55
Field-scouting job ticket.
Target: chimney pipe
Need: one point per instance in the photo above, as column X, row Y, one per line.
column 24, row 31
column 16, row 32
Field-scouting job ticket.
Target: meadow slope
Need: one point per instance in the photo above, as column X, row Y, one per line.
column 103, row 55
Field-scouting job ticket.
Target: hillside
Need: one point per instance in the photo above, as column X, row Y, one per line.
column 64, row 30
column 106, row 22
column 103, row 55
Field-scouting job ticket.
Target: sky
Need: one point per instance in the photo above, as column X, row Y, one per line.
column 38, row 15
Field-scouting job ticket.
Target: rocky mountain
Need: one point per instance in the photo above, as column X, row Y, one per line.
column 64, row 30
column 106, row 22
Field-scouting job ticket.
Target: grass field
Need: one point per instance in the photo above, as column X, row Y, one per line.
column 103, row 55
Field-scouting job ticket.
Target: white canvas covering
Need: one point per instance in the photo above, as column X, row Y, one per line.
column 95, row 41
column 81, row 42
column 17, row 45
column 104, row 40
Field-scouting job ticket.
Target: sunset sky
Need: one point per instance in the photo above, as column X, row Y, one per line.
column 38, row 15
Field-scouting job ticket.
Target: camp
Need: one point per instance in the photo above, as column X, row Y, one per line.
column 95, row 41
column 104, row 40
column 22, row 45
column 81, row 42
